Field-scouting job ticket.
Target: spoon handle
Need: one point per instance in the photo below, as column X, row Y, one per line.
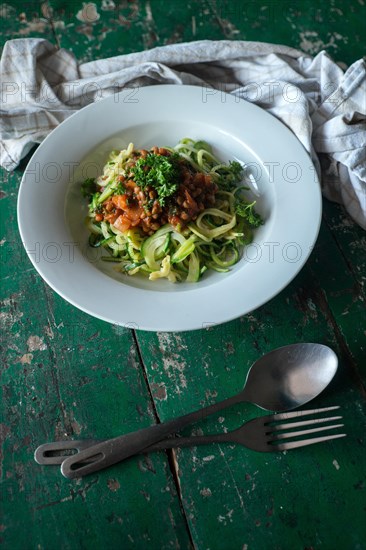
column 115, row 450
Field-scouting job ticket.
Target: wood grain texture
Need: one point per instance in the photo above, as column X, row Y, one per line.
column 67, row 375
column 247, row 496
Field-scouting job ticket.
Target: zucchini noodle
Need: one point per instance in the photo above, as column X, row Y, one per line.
column 166, row 228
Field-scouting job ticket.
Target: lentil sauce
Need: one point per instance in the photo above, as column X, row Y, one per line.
column 140, row 208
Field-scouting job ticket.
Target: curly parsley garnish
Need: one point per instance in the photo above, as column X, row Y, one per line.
column 246, row 210
column 120, row 189
column 229, row 175
column 88, row 187
column 159, row 172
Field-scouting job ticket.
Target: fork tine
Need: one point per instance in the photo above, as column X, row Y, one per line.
column 308, row 422
column 276, row 437
column 303, row 443
column 281, row 441
column 296, row 414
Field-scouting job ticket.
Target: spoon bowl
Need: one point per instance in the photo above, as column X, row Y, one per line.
column 290, row 376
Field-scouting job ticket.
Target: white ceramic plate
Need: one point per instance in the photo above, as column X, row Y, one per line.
column 51, row 210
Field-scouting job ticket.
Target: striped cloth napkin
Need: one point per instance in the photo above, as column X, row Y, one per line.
column 324, row 106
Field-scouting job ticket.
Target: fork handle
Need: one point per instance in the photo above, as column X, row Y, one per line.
column 115, row 450
column 54, row 453
column 193, row 440
column 51, row 453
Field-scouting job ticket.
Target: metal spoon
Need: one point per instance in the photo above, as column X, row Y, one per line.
column 281, row 380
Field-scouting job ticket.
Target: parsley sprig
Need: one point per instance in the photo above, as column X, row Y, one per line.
column 246, row 210
column 159, row 172
column 88, row 187
column 230, row 175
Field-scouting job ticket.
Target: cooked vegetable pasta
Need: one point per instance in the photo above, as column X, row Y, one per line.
column 170, row 213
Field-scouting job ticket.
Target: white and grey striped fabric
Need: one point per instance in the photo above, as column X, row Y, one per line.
column 324, row 106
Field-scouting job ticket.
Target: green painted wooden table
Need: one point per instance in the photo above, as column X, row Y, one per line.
column 68, row 375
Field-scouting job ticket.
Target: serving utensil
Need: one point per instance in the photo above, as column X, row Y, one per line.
column 283, row 379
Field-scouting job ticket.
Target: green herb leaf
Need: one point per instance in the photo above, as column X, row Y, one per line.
column 88, row 187
column 230, row 175
column 246, row 210
column 158, row 172
column 236, row 169
column 120, row 189
column 94, row 205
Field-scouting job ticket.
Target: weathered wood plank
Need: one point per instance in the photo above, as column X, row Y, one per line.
column 338, row 266
column 247, row 496
column 350, row 239
column 67, row 375
column 111, row 28
column 25, row 20
column 304, row 25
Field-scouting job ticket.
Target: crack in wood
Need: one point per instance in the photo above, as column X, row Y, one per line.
column 358, row 287
column 68, row 425
column 170, row 453
column 47, row 13
column 321, row 300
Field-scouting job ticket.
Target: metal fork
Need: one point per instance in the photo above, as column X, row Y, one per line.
column 267, row 433
column 279, row 432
